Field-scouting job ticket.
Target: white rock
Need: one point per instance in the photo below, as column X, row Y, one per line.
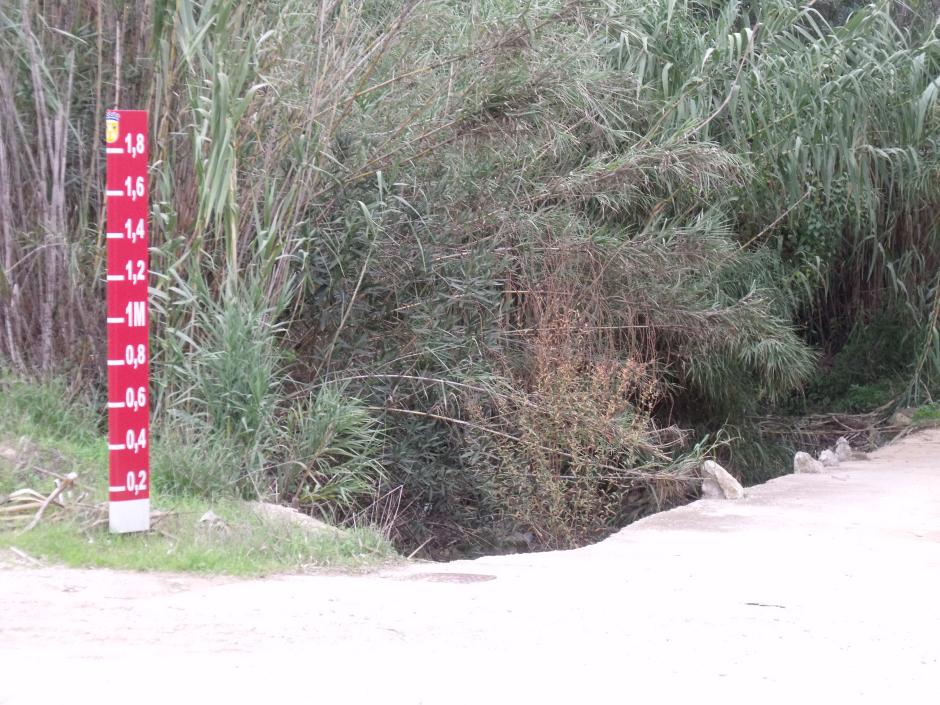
column 520, row 541
column 806, row 463
column 828, row 458
column 711, row 490
column 280, row 514
column 901, row 419
column 843, row 449
column 210, row 521
column 719, row 483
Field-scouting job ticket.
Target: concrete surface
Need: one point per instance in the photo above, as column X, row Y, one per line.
column 813, row 589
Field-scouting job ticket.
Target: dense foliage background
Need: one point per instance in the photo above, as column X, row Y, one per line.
column 494, row 273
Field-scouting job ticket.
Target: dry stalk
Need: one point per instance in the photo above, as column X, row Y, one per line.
column 61, row 487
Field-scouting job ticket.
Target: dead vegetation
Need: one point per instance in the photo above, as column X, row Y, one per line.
column 865, row 431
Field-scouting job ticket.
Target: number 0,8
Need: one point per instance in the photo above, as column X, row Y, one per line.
column 135, row 356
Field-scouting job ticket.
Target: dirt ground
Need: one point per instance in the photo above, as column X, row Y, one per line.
column 814, row 588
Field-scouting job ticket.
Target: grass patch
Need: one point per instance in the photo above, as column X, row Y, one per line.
column 46, row 426
column 41, row 431
column 927, row 415
column 46, row 410
column 241, row 544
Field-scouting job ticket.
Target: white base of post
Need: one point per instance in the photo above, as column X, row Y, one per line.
column 132, row 515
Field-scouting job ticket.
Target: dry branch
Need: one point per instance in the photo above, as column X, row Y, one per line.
column 61, row 487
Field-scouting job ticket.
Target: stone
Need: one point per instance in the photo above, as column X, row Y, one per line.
column 719, row 483
column 806, row 463
column 843, row 450
column 901, row 419
column 828, row 458
column 519, row 541
column 711, row 490
column 279, row 514
column 212, row 523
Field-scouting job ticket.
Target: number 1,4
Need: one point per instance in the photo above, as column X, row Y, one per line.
column 134, row 231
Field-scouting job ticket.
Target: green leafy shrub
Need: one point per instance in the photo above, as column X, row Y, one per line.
column 927, row 414
column 868, row 370
column 331, row 444
column 193, row 462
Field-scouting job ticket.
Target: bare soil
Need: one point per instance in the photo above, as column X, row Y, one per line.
column 813, row 587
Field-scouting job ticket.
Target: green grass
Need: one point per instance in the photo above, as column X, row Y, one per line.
column 927, row 415
column 247, row 546
column 44, row 425
column 43, row 428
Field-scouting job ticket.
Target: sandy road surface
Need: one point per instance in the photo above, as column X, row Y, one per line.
column 822, row 588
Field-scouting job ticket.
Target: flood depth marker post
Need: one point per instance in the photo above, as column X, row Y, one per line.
column 128, row 321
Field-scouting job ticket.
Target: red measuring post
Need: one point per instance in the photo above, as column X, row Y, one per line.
column 128, row 321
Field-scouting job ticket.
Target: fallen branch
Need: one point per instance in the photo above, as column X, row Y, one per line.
column 25, row 556
column 63, row 485
column 167, row 535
